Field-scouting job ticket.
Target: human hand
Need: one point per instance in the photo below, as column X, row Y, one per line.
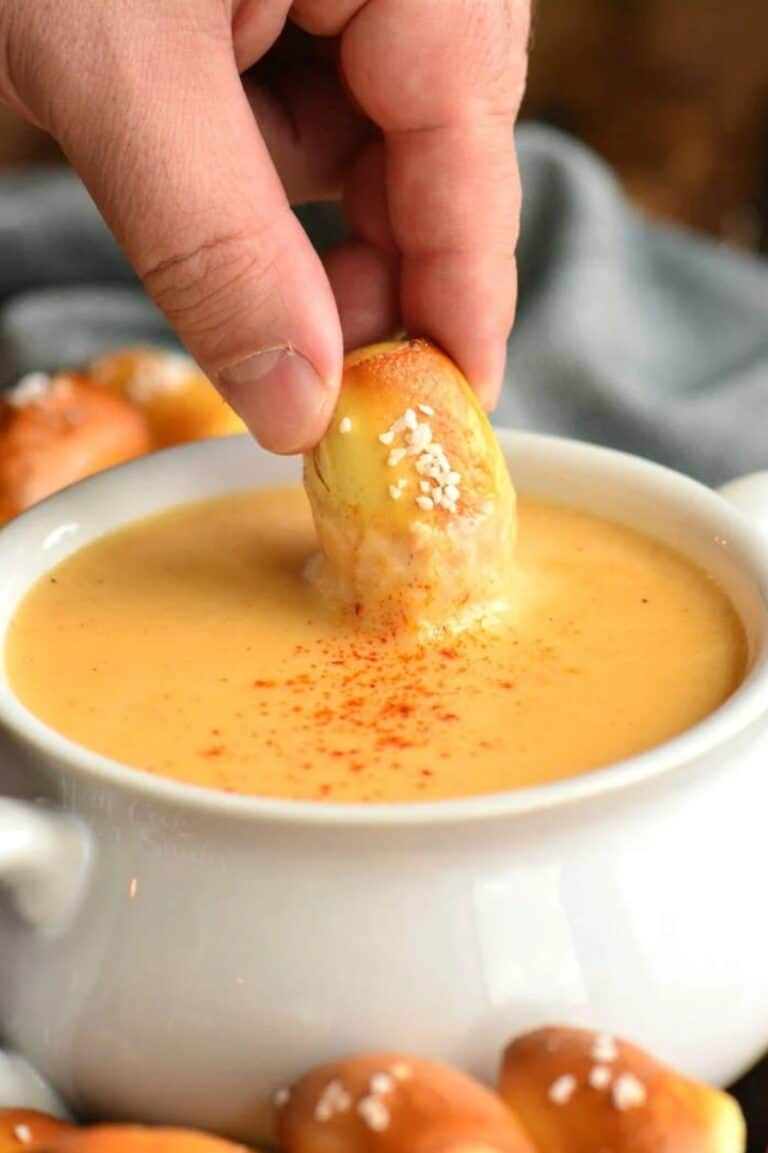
column 404, row 108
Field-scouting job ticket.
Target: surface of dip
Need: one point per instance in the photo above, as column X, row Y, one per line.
column 191, row 646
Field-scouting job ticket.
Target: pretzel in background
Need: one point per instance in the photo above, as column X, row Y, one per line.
column 25, row 1131
column 390, row 1103
column 58, row 429
column 560, row 1091
column 576, row 1091
column 179, row 403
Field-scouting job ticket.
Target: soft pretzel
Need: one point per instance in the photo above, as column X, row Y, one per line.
column 135, row 1139
column 576, row 1091
column 22, row 1129
column 388, row 1103
column 561, row 1091
column 26, row 1131
column 412, row 500
column 56, row 430
column 180, row 403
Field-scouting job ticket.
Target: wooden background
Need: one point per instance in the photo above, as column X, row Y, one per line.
column 673, row 93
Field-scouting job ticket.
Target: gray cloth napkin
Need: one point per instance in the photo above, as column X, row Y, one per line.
column 628, row 334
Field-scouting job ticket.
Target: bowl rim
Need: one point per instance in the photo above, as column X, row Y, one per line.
column 735, row 715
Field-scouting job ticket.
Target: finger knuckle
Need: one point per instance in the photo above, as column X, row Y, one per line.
column 205, row 289
column 499, row 33
column 17, row 57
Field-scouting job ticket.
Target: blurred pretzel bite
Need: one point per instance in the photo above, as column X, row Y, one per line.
column 56, row 430
column 387, row 1103
column 136, row 1139
column 577, row 1091
column 178, row 401
column 22, row 1129
column 413, row 504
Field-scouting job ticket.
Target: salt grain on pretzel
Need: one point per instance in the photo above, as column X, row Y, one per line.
column 399, row 1106
column 630, row 1103
column 439, row 486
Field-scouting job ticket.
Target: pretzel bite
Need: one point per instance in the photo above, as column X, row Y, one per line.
column 411, row 497
column 135, row 1139
column 22, row 1129
column 386, row 1103
column 57, row 430
column 179, row 402
column 577, row 1092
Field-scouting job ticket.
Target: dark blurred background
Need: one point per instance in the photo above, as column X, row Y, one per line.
column 672, row 93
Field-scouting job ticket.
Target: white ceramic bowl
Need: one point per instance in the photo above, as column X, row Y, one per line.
column 175, row 954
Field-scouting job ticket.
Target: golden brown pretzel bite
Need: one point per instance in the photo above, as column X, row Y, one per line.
column 135, row 1139
column 179, row 403
column 388, row 1103
column 64, row 430
column 412, row 500
column 22, row 1129
column 576, row 1091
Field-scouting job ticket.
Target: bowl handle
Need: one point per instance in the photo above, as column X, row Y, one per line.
column 44, row 859
column 749, row 494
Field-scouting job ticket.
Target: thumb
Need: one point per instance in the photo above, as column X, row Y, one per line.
column 168, row 147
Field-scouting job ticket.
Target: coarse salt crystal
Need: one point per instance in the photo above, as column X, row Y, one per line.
column 382, row 1083
column 152, row 375
column 282, row 1097
column 431, row 462
column 600, row 1077
column 345, row 424
column 374, row 1112
column 22, row 1133
column 628, row 1092
column 562, row 1089
column 604, row 1048
column 419, row 439
column 333, row 1099
column 34, row 386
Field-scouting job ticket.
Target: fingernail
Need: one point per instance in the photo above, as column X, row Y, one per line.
column 280, row 397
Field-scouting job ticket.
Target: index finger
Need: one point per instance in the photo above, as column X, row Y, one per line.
column 444, row 80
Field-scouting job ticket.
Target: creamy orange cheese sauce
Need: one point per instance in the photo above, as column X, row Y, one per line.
column 191, row 646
